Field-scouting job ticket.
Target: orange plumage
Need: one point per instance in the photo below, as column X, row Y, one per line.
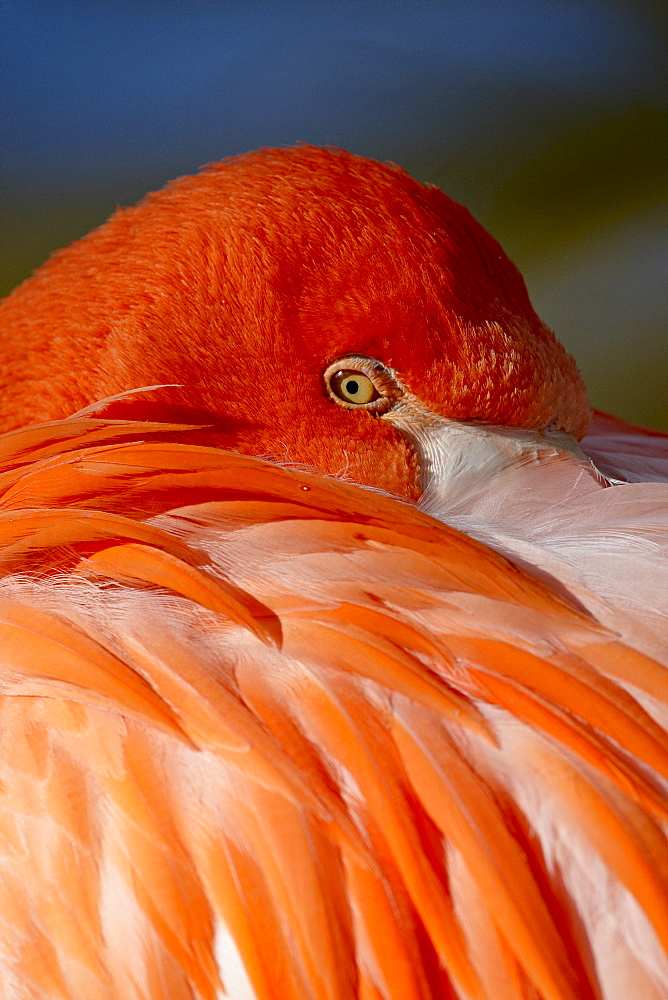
column 268, row 734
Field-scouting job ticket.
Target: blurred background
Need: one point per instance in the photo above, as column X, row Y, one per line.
column 547, row 118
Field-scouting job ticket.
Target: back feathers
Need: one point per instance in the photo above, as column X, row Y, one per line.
column 268, row 735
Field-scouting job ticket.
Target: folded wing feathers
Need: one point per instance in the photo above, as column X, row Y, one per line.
column 313, row 743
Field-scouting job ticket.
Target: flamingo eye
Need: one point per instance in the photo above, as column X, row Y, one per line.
column 353, row 386
column 360, row 383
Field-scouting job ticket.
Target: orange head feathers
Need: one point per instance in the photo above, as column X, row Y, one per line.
column 244, row 284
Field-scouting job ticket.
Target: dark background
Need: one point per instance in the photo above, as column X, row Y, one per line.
column 547, row 118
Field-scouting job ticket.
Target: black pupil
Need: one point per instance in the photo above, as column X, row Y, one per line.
column 352, row 387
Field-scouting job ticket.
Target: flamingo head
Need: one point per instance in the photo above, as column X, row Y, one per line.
column 302, row 304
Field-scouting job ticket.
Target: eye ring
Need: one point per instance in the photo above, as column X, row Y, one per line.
column 356, row 382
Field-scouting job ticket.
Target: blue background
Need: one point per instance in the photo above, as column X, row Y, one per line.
column 548, row 118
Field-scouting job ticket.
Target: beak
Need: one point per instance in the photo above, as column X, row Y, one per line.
column 467, row 467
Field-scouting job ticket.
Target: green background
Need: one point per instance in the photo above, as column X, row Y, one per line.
column 549, row 120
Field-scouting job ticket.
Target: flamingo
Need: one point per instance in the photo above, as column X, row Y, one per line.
column 333, row 622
